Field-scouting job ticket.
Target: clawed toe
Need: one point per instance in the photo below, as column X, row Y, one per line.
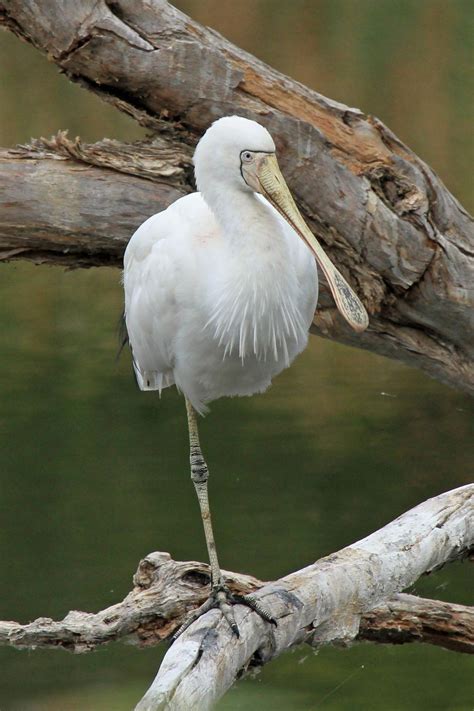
column 255, row 605
column 222, row 598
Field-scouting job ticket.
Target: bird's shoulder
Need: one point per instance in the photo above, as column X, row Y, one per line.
column 188, row 218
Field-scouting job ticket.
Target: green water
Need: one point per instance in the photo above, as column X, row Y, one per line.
column 93, row 473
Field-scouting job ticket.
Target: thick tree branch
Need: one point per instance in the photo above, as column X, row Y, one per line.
column 320, row 604
column 350, row 595
column 384, row 215
column 388, row 222
column 70, row 203
column 164, row 589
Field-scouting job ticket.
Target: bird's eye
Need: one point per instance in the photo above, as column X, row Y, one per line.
column 247, row 156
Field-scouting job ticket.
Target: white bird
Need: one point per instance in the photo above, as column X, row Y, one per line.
column 220, row 292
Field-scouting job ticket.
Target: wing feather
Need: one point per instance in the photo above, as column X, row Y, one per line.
column 158, row 259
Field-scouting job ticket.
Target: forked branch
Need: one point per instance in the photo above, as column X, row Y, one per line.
column 349, row 596
column 321, row 604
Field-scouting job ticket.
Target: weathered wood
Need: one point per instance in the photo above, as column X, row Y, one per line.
column 60, row 209
column 403, row 241
column 350, row 595
column 406, row 619
column 320, row 604
column 165, row 589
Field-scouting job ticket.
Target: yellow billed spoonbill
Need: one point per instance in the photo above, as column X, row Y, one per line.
column 220, row 291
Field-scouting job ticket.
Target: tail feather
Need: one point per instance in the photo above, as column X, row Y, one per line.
column 146, row 380
column 152, row 380
column 123, row 339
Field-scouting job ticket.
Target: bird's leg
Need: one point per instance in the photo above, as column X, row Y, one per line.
column 221, row 596
column 199, row 477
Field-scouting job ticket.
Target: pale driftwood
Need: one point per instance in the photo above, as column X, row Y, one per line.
column 386, row 219
column 351, row 595
column 165, row 589
column 320, row 604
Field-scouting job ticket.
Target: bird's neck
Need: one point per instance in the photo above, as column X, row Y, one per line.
column 245, row 222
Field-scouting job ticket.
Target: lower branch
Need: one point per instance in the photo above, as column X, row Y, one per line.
column 348, row 596
column 165, row 589
column 406, row 618
column 321, row 604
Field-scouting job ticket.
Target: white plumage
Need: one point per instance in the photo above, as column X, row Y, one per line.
column 219, row 290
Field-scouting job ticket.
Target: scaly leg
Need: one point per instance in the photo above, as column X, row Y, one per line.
column 221, row 596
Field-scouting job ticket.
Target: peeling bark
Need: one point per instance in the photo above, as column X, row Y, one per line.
column 386, row 219
column 70, row 203
column 406, row 619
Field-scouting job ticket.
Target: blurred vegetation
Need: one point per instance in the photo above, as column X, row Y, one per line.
column 94, row 474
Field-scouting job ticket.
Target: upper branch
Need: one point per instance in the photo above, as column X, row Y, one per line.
column 65, row 202
column 386, row 219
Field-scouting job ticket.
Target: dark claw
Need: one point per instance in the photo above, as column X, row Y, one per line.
column 215, row 600
column 255, row 605
column 235, row 630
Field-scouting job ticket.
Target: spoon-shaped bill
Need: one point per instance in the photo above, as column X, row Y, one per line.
column 275, row 189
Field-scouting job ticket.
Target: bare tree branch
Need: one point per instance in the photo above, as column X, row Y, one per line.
column 405, row 618
column 320, row 604
column 387, row 220
column 71, row 203
column 350, row 595
column 164, row 589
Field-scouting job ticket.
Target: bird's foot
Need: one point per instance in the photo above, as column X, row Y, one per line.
column 222, row 598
